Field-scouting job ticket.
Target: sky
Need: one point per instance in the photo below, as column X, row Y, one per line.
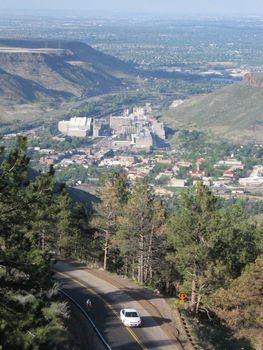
column 204, row 7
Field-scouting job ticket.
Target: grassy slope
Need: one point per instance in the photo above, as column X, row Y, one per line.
column 234, row 112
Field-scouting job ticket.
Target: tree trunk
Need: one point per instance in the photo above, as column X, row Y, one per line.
column 260, row 342
column 133, row 270
column 150, row 274
column 193, row 291
column 43, row 240
column 106, row 249
column 198, row 303
column 141, row 260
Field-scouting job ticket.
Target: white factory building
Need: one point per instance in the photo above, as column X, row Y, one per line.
column 76, row 126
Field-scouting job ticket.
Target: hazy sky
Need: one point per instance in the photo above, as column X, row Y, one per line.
column 230, row 7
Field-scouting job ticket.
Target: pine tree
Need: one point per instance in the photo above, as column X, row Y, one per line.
column 41, row 199
column 84, row 243
column 190, row 238
column 140, row 231
column 211, row 245
column 29, row 313
column 241, row 305
column 113, row 194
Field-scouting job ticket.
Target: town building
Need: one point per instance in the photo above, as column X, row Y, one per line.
column 228, row 173
column 121, row 144
column 49, row 160
column 252, row 181
column 197, row 173
column 76, row 126
column 139, row 126
column 177, row 182
column 184, row 164
column 143, row 140
column 118, row 124
column 124, row 161
column 164, row 161
column 96, row 129
column 255, row 179
column 232, row 162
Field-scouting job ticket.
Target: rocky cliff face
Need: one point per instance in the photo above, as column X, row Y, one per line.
column 253, row 80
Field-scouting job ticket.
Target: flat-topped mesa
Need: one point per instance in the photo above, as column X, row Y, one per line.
column 33, row 71
column 81, row 52
column 11, row 56
column 253, row 80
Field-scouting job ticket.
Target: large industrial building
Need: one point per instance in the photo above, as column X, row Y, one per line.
column 137, row 130
column 76, row 126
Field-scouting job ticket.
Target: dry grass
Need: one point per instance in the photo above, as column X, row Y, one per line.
column 233, row 113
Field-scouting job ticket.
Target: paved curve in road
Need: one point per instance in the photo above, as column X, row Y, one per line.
column 107, row 302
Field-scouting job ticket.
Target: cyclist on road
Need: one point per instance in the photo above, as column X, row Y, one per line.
column 88, row 304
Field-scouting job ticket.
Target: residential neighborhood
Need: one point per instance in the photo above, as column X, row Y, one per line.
column 135, row 144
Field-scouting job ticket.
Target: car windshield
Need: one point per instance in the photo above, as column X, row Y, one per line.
column 131, row 314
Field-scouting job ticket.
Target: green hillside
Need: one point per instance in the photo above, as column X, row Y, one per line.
column 233, row 113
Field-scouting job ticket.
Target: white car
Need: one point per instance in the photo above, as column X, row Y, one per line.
column 130, row 318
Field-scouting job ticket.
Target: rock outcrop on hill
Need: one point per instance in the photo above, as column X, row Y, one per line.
column 253, row 79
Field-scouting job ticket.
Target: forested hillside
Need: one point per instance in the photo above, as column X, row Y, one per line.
column 210, row 251
column 200, row 247
column 36, row 222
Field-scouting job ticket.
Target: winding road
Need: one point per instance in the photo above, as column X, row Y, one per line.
column 107, row 299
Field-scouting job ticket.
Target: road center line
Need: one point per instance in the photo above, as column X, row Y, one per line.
column 109, row 306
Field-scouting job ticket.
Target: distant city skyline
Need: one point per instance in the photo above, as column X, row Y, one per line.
column 171, row 7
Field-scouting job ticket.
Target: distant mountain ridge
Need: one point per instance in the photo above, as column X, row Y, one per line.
column 75, row 49
column 40, row 75
column 233, row 113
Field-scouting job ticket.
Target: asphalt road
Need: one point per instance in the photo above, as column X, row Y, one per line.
column 107, row 301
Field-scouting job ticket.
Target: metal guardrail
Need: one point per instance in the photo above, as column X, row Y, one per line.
column 88, row 318
column 190, row 342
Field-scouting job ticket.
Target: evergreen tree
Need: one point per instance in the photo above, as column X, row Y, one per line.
column 29, row 313
column 113, row 194
column 41, row 198
column 241, row 305
column 140, row 231
column 84, row 242
column 234, row 244
column 211, row 245
column 191, row 240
